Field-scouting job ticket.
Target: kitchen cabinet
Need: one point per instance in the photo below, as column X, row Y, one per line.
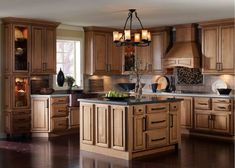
column 215, row 119
column 102, row 122
column 87, row 123
column 16, row 104
column 129, row 131
column 29, row 46
column 144, row 57
column 217, row 47
column 186, row 112
column 102, row 57
column 118, row 127
column 43, row 50
column 49, row 115
column 74, row 117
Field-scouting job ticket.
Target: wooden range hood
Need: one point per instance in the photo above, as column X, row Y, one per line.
column 185, row 51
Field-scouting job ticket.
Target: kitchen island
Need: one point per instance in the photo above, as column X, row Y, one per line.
column 129, row 128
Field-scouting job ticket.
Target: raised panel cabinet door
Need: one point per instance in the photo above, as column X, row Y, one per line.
column 49, row 58
column 174, row 134
column 7, row 48
column 102, row 125
column 74, row 117
column 144, row 58
column 118, row 127
column 186, row 112
column 100, row 53
column 221, row 122
column 59, row 124
column 138, row 132
column 38, row 49
column 202, row 121
column 157, row 49
column 40, row 115
column 114, row 57
column 87, row 123
column 227, row 57
column 210, row 49
column 7, row 93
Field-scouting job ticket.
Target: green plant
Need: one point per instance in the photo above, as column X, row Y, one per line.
column 70, row 80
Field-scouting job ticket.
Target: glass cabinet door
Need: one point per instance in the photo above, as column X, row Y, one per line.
column 21, row 91
column 21, row 48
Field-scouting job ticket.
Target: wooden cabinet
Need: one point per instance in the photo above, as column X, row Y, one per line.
column 217, row 47
column 118, row 127
column 40, row 114
column 102, row 57
column 74, row 117
column 174, row 123
column 144, row 57
column 49, row 115
column 102, row 125
column 216, row 119
column 186, row 112
column 43, row 50
column 30, row 46
column 139, row 126
column 87, row 123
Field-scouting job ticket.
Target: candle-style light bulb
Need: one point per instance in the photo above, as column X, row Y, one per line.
column 127, row 35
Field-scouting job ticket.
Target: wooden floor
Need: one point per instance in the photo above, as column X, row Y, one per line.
column 64, row 152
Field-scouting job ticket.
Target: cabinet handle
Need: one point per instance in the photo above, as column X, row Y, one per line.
column 171, row 120
column 220, row 101
column 203, row 103
column 144, row 123
column 61, row 111
column 159, row 139
column 221, row 107
column 161, row 108
column 156, row 122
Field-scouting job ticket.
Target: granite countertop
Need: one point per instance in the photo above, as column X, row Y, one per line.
column 189, row 94
column 49, row 95
column 129, row 101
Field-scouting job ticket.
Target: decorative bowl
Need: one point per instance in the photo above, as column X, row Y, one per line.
column 223, row 91
column 128, row 86
column 46, row 91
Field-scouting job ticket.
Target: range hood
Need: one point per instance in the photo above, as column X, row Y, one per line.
column 185, row 51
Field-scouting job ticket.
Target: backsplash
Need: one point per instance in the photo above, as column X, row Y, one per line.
column 188, row 76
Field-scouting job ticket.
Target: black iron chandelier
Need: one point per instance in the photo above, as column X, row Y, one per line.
column 140, row 37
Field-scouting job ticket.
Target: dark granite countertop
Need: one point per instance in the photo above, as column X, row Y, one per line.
column 129, row 101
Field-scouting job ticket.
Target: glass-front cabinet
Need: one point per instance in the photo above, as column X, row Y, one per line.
column 21, row 92
column 21, row 52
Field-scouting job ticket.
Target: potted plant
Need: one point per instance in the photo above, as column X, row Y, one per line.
column 70, row 80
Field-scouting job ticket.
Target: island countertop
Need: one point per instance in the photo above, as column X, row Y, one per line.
column 130, row 101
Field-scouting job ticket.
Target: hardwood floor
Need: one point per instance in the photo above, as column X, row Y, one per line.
column 63, row 152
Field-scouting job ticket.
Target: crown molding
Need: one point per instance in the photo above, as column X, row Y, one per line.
column 70, row 27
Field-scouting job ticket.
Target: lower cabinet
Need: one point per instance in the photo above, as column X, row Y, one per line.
column 102, row 122
column 73, row 117
column 49, row 114
column 87, row 123
column 118, row 127
column 119, row 130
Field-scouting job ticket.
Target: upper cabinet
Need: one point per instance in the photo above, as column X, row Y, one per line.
column 102, row 57
column 29, row 46
column 218, row 47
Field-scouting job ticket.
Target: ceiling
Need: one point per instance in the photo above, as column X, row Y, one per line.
column 112, row 13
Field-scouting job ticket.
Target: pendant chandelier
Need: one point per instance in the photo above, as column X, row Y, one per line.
column 140, row 37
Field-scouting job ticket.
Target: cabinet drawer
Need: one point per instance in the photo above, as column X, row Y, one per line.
column 59, row 110
column 157, row 120
column 202, row 103
column 59, row 100
column 221, row 107
column 59, row 124
column 157, row 138
column 21, row 118
column 159, row 107
column 215, row 100
column 174, row 106
column 21, row 112
column 139, row 109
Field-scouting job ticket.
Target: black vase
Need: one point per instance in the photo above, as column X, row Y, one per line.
column 60, row 78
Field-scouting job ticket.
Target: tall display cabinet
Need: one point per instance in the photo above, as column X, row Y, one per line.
column 19, row 56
